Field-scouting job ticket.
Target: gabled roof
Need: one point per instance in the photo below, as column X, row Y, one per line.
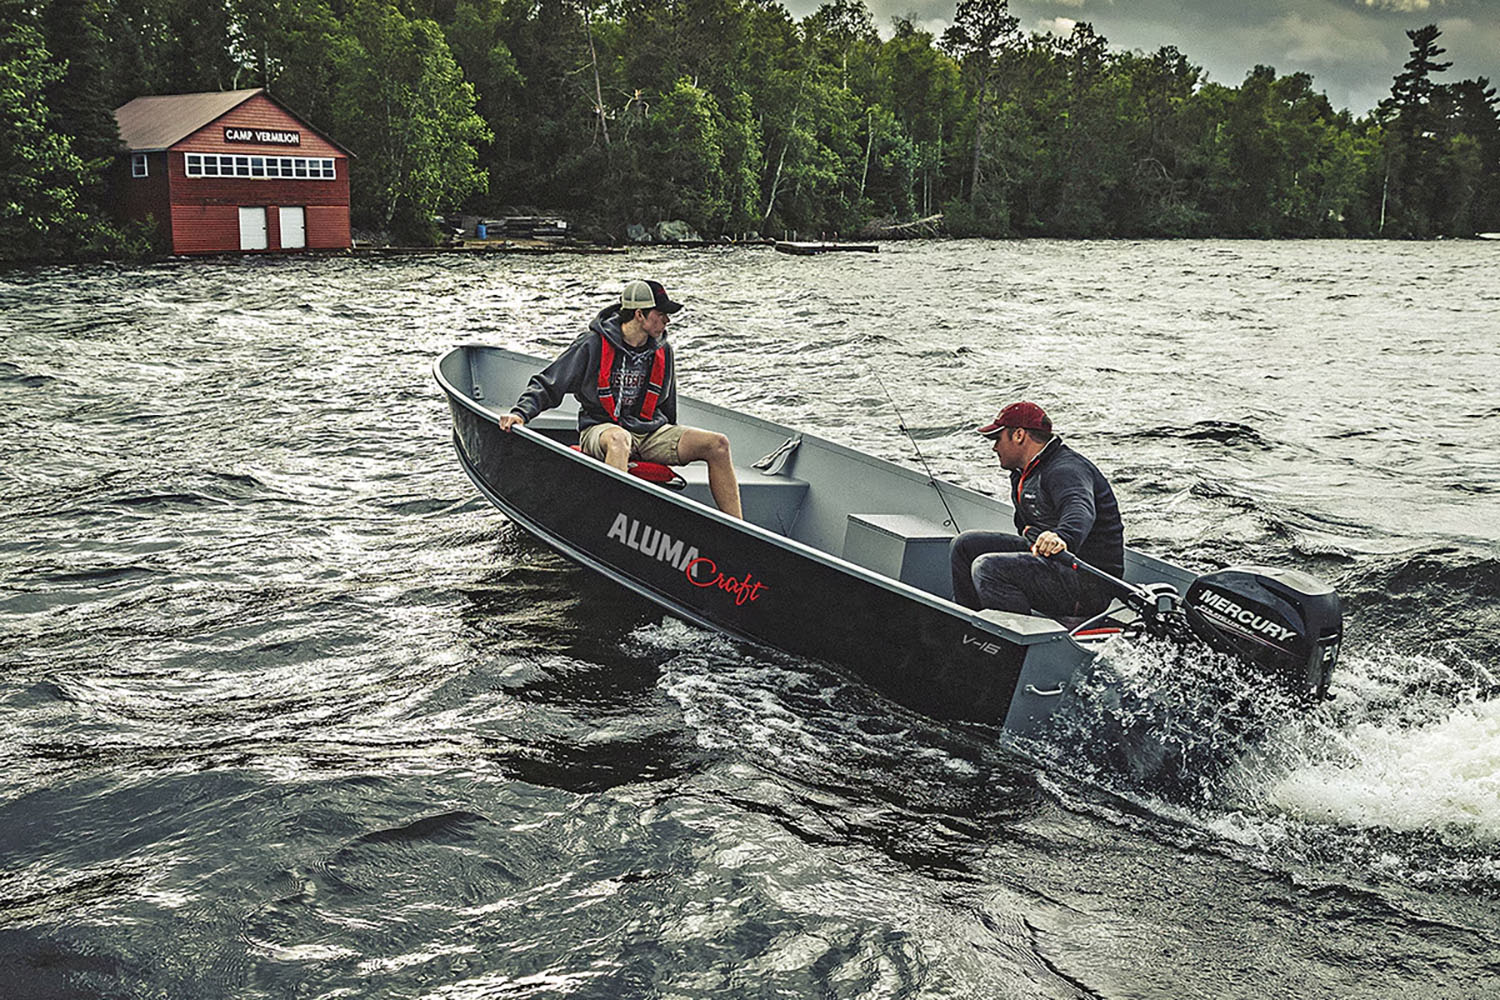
column 152, row 124
column 149, row 124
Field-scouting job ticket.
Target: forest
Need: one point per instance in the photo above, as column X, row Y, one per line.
column 738, row 119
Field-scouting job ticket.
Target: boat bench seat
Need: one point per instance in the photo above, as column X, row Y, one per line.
column 769, row 501
column 560, row 425
column 772, row 502
column 903, row 547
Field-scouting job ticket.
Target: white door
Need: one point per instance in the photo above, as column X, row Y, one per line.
column 252, row 228
column 293, row 228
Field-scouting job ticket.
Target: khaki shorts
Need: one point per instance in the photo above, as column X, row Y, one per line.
column 659, row 445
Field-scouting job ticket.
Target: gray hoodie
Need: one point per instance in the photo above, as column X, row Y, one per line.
column 576, row 371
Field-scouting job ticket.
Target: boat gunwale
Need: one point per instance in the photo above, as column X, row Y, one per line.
column 1147, row 567
column 884, row 465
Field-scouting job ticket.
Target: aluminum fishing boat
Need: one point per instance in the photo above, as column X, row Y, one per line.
column 843, row 557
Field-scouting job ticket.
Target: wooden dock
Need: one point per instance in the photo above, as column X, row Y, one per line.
column 808, row 249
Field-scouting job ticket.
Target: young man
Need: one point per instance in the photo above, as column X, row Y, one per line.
column 1062, row 495
column 622, row 373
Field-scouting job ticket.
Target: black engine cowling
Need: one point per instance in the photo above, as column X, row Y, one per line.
column 1284, row 621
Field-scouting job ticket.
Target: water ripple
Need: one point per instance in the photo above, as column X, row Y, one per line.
column 288, row 711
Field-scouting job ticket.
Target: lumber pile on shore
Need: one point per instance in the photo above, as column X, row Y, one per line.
column 917, row 229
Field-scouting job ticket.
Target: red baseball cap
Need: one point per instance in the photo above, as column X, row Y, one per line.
column 1022, row 414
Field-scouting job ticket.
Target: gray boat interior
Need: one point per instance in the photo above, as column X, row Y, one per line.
column 854, row 507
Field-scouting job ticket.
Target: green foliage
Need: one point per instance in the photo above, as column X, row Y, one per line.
column 476, row 37
column 737, row 118
column 1413, row 146
column 172, row 47
column 40, row 175
column 684, row 178
column 919, row 88
column 402, row 105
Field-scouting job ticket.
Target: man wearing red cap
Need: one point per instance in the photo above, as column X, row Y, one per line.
column 1058, row 493
column 621, row 372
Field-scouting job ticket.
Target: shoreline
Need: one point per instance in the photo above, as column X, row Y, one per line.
column 543, row 247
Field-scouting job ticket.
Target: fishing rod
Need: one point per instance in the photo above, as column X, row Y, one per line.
column 931, row 479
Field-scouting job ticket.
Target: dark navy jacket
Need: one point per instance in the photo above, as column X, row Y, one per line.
column 1062, row 491
column 576, row 371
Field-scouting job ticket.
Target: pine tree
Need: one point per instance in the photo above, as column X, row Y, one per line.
column 1411, row 152
column 980, row 32
column 1413, row 90
column 40, row 175
column 1472, row 111
column 78, row 99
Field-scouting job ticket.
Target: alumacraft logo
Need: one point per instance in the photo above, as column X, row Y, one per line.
column 700, row 571
column 1252, row 621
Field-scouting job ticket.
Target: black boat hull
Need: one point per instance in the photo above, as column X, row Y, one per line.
column 711, row 570
column 841, row 557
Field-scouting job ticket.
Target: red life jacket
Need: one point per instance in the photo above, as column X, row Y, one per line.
column 653, row 388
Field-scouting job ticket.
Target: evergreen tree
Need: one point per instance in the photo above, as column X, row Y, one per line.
column 1411, row 128
column 980, row 32
column 79, row 98
column 1090, row 156
column 1413, row 89
column 476, row 35
column 1470, row 109
column 1166, row 163
column 40, row 174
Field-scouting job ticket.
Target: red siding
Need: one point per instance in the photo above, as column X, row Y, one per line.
column 205, row 228
column 327, row 226
column 204, row 211
column 138, row 197
column 258, row 112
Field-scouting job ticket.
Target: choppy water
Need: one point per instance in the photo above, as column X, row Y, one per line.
column 286, row 712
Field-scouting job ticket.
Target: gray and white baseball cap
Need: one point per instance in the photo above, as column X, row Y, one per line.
column 647, row 295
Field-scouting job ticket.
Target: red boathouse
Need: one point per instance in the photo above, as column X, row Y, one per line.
column 232, row 170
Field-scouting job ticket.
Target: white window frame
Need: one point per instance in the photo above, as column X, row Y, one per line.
column 140, row 166
column 258, row 168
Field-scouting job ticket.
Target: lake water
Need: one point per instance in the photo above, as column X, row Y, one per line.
column 287, row 711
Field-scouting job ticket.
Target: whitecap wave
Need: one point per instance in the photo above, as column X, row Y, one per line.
column 1439, row 775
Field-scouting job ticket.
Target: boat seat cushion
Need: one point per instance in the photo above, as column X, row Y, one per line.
column 653, row 472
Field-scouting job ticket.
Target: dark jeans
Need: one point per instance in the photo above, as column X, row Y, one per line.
column 995, row 569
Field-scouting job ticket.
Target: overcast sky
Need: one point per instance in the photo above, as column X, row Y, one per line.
column 1352, row 48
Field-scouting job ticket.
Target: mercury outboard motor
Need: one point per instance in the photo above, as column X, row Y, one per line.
column 1284, row 621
